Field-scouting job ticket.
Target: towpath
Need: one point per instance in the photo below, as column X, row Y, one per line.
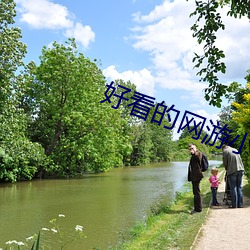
column 225, row 228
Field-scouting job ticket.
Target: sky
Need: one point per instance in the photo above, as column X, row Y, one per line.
column 147, row 42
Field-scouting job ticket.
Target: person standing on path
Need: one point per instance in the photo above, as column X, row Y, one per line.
column 235, row 170
column 195, row 175
column 214, row 186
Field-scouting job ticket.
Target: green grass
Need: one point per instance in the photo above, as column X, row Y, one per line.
column 170, row 226
column 246, row 188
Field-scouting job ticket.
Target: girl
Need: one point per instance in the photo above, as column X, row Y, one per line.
column 214, row 185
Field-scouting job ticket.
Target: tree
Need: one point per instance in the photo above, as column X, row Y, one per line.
column 19, row 157
column 151, row 142
column 185, row 133
column 162, row 144
column 12, row 50
column 240, row 114
column 208, row 23
column 77, row 131
column 183, row 145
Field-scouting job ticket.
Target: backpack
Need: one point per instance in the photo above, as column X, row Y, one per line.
column 204, row 163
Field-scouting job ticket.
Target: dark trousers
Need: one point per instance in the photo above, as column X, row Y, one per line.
column 197, row 196
column 214, row 196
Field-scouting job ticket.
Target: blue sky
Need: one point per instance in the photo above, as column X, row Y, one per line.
column 148, row 42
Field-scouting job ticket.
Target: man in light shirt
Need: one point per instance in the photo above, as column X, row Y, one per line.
column 235, row 171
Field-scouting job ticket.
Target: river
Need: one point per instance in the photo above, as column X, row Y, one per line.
column 105, row 204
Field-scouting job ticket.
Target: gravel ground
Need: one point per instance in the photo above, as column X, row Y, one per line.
column 225, row 228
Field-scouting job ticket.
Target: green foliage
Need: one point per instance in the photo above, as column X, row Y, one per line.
column 183, row 145
column 238, row 8
column 11, row 50
column 186, row 138
column 236, row 116
column 208, row 12
column 225, row 117
column 36, row 243
column 51, row 120
column 78, row 132
column 141, row 144
column 20, row 158
column 207, row 24
column 151, row 142
column 162, row 143
column 186, row 133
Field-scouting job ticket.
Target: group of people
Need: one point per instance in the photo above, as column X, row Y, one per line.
column 234, row 167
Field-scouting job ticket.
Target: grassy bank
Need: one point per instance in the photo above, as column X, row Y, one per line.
column 170, row 227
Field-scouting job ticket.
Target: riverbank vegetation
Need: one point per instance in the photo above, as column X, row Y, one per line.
column 170, row 226
column 57, row 118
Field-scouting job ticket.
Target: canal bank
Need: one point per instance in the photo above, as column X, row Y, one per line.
column 172, row 227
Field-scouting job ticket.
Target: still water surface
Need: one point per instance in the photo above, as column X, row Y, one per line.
column 104, row 204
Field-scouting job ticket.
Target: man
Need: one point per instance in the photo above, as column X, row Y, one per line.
column 235, row 170
column 195, row 175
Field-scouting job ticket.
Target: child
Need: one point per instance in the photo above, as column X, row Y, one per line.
column 214, row 185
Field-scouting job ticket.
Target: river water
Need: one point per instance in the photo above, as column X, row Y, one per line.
column 104, row 204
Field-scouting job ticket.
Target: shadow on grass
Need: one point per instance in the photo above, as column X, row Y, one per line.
column 183, row 204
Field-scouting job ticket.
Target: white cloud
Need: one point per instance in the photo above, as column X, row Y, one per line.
column 167, row 37
column 143, row 79
column 234, row 41
column 83, row 34
column 165, row 33
column 204, row 113
column 44, row 14
column 159, row 12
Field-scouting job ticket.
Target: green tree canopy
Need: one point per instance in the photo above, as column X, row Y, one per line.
column 77, row 131
column 19, row 157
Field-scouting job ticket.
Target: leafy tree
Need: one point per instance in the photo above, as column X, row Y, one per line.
column 77, row 131
column 19, row 157
column 208, row 23
column 141, row 144
column 161, row 137
column 151, row 141
column 162, row 148
column 129, row 123
column 183, row 145
column 185, row 133
column 240, row 114
column 12, row 50
column 148, row 141
column 226, row 118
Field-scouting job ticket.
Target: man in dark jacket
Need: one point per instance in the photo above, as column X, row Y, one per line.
column 195, row 175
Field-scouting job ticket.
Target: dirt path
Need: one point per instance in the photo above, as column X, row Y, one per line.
column 225, row 228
